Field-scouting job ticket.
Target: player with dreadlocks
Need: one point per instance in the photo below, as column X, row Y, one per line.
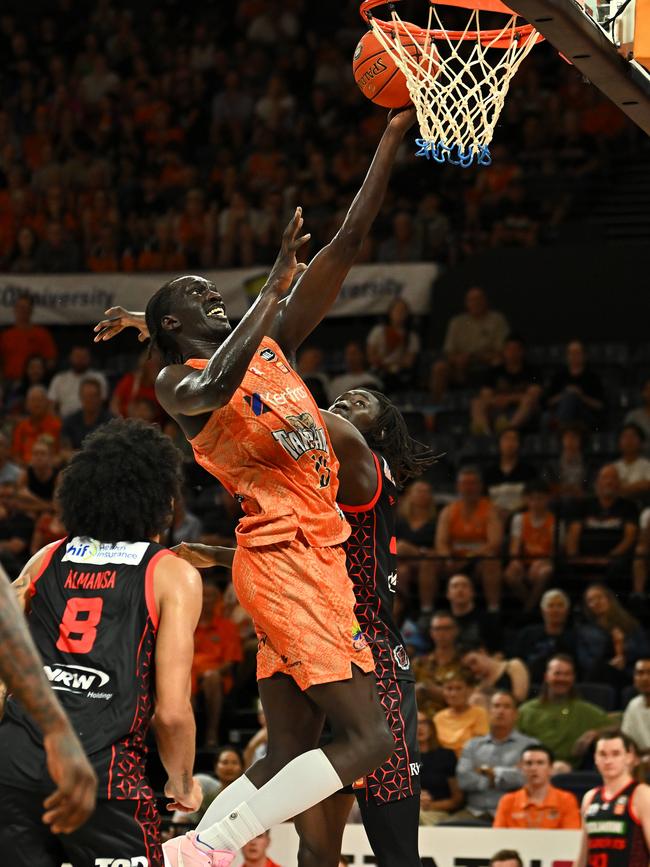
column 376, row 455
column 253, row 425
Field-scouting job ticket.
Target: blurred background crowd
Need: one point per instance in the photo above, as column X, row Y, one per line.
column 178, row 136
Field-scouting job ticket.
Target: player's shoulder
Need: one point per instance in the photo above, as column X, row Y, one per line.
column 641, row 797
column 589, row 797
column 172, row 570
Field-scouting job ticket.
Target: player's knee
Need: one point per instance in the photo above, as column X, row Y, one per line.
column 316, row 852
column 378, row 745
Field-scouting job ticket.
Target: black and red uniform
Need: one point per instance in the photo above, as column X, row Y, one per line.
column 615, row 837
column 93, row 619
column 389, row 798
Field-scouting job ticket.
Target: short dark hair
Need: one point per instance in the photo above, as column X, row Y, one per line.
column 539, row 748
column 509, row 429
column 513, row 337
column 613, row 734
column 507, row 855
column 469, row 469
column 90, row 380
column 121, row 486
column 638, row 430
column 562, row 657
column 470, row 646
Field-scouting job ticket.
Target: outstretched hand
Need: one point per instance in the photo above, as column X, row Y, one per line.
column 286, row 266
column 117, row 319
column 402, row 119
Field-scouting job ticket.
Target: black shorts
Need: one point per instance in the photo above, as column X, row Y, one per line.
column 399, row 777
column 127, row 832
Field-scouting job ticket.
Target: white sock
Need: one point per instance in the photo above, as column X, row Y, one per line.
column 303, row 783
column 233, row 795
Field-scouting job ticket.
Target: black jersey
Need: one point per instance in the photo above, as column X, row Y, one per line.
column 93, row 619
column 614, row 834
column 371, row 553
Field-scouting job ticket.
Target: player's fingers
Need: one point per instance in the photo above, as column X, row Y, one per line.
column 52, row 801
column 301, row 266
column 301, row 241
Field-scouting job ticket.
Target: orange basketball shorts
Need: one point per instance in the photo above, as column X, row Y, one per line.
column 302, row 603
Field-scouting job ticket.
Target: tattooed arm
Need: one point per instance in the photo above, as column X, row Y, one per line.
column 21, row 669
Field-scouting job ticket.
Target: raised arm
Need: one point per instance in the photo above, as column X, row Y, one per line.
column 178, row 592
column 184, row 392
column 318, row 288
column 21, row 669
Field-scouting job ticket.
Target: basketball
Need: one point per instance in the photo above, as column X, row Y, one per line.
column 377, row 75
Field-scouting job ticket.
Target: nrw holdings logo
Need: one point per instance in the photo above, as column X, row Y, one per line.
column 77, row 679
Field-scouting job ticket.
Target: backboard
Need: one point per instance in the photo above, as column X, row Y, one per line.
column 607, row 40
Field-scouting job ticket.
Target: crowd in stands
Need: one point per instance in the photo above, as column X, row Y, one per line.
column 522, row 582
column 133, row 140
column 142, row 137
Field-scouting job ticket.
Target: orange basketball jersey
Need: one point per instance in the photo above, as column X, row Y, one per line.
column 468, row 534
column 537, row 541
column 269, row 447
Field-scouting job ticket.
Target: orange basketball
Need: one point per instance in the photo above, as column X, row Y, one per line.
column 376, row 74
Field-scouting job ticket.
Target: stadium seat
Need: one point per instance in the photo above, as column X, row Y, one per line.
column 600, row 694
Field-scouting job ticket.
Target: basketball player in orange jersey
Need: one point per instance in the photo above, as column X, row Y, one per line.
column 253, row 424
column 376, row 454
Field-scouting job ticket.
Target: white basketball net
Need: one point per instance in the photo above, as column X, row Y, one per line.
column 458, row 86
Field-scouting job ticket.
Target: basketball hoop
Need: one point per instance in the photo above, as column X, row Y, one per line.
column 459, row 84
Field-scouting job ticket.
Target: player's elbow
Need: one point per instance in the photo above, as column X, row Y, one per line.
column 173, row 715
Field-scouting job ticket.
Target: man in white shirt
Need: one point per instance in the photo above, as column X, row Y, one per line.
column 636, row 719
column 473, row 342
column 64, row 388
column 633, row 469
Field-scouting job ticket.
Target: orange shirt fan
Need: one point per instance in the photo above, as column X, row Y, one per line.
column 456, row 79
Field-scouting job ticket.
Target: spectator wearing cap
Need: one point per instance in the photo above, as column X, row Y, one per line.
column 538, row 804
column 511, row 393
column 602, row 539
column 632, row 467
column 469, row 535
column 473, row 342
column 576, row 393
column 560, row 720
column 533, row 540
column 488, row 765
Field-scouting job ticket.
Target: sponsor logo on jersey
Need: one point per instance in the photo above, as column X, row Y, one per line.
column 358, row 638
column 78, row 679
column 140, row 861
column 304, row 436
column 268, row 355
column 85, row 550
column 91, row 580
column 256, row 404
column 387, row 471
column 392, row 582
column 414, row 767
column 608, row 826
column 401, row 657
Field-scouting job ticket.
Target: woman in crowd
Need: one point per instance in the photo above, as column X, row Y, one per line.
column 416, row 530
column 492, row 674
column 36, row 373
column 441, row 794
column 459, row 721
column 228, row 766
column 626, row 641
column 393, row 348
